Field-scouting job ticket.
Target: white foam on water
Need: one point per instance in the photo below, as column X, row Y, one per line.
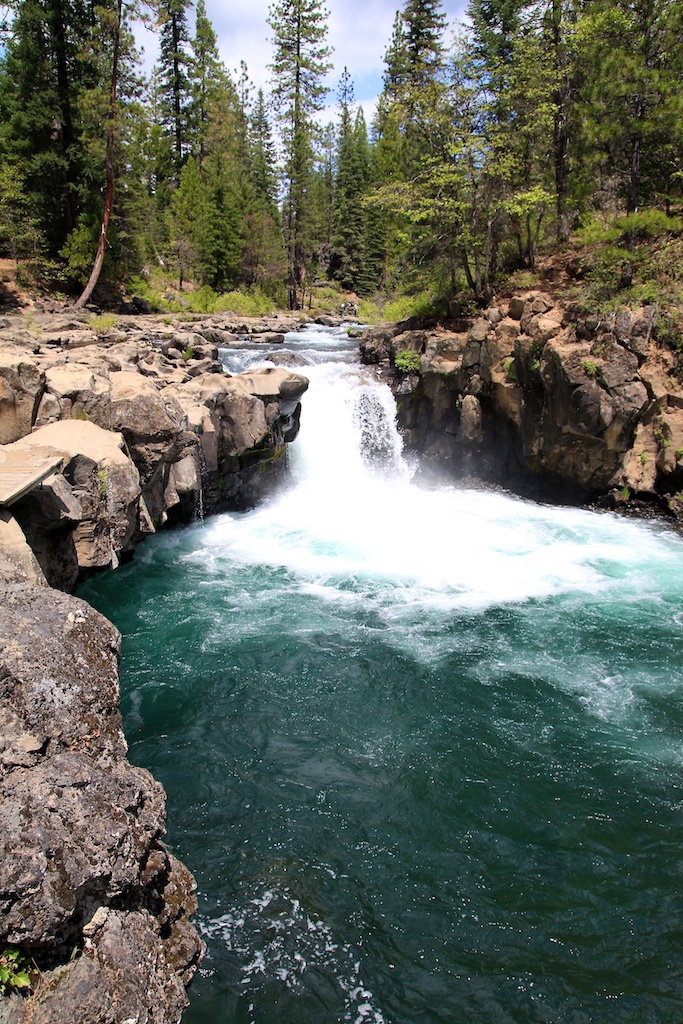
column 277, row 939
column 354, row 516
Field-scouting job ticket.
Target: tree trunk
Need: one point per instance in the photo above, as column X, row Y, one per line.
column 109, row 197
column 560, row 133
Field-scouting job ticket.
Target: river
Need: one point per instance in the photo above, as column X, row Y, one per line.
column 422, row 748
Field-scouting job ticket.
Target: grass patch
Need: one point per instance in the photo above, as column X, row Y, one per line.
column 103, row 323
column 510, row 371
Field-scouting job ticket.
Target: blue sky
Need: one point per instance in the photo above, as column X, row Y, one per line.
column 359, row 31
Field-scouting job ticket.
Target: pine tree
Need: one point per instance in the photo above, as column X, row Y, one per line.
column 205, row 77
column 410, row 128
column 113, row 28
column 41, row 75
column 190, row 226
column 299, row 64
column 348, row 211
column 173, row 64
column 262, row 158
column 632, row 61
column 425, row 24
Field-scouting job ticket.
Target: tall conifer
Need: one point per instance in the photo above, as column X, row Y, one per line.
column 300, row 62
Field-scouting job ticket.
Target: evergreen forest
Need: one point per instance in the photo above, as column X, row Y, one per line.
column 534, row 124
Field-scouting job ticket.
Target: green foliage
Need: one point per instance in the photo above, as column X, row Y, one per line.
column 538, row 118
column 643, row 457
column 668, row 331
column 300, row 63
column 624, row 494
column 407, row 361
column 14, row 970
column 103, row 323
column 102, row 478
column 244, row 303
column 406, row 306
column 648, row 223
column 510, row 371
column 590, row 368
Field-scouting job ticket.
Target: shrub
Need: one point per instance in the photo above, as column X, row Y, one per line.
column 590, row 368
column 13, row 970
column 407, row 361
column 103, row 324
column 510, row 371
column 406, row 306
column 252, row 303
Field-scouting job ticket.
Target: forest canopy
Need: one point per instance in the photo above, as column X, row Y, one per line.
column 534, row 121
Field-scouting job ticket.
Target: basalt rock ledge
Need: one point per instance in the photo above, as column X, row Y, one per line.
column 87, row 888
column 543, row 399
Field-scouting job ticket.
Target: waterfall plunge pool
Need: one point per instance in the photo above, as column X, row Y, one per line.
column 422, row 749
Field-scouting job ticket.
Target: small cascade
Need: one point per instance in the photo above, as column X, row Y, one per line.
column 107, row 493
column 203, row 484
column 380, row 444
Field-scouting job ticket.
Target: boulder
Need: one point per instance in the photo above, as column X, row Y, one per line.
column 82, row 866
column 516, row 307
column 470, row 430
column 479, row 330
column 87, row 517
column 75, row 391
column 18, row 564
column 21, row 387
column 151, row 421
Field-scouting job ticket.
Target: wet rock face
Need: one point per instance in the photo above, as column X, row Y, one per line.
column 82, row 867
column 564, row 403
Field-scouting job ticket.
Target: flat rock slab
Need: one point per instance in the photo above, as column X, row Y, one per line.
column 22, row 471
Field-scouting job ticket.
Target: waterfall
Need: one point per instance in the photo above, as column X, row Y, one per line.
column 203, row 484
column 374, row 416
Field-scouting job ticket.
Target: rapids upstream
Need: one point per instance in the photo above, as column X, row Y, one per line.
column 422, row 748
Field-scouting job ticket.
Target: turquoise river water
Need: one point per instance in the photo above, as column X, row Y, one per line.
column 422, row 748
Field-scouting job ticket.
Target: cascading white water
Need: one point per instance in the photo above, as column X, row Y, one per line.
column 353, row 510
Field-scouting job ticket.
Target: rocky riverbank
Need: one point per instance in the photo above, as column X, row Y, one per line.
column 106, row 437
column 148, row 428
column 544, row 400
column 87, row 888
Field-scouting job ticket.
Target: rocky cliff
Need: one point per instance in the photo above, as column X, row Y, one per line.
column 534, row 395
column 87, row 889
column 103, row 441
column 149, row 430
